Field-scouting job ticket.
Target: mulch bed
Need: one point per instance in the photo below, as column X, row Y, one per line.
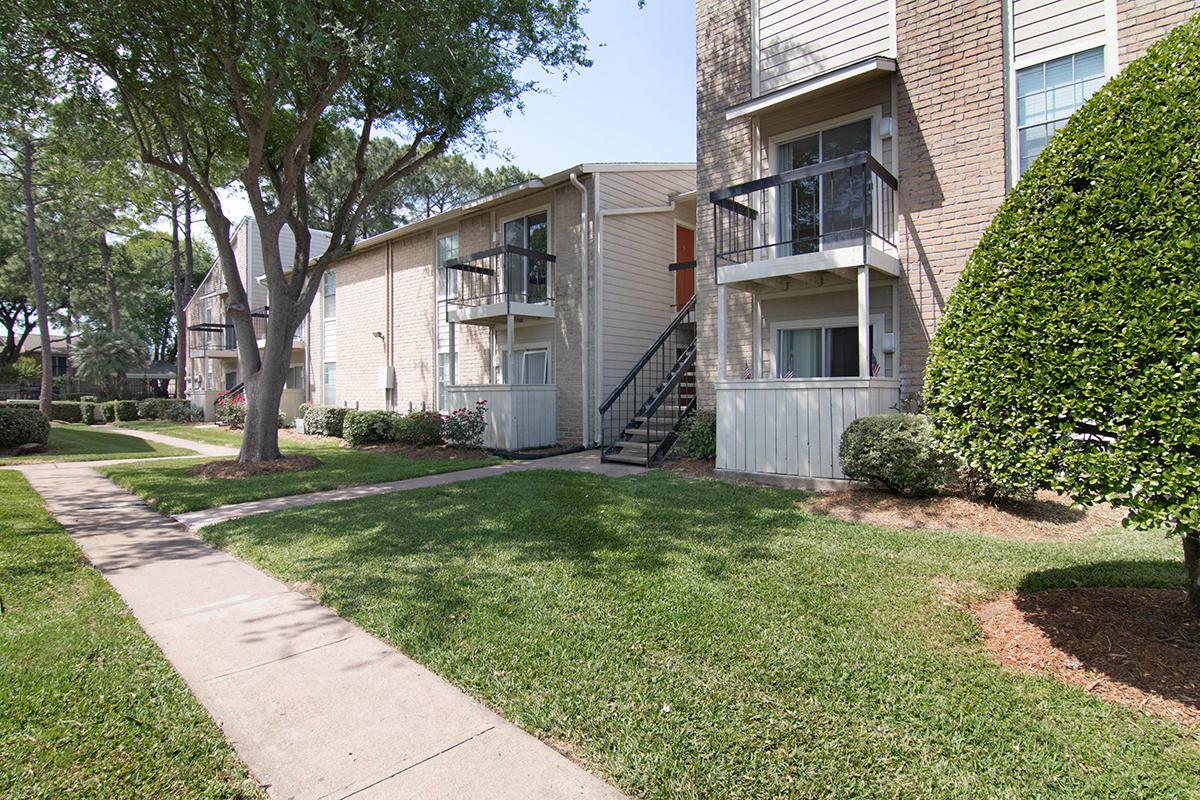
column 1137, row 647
column 437, row 453
column 692, row 467
column 1048, row 516
column 235, row 469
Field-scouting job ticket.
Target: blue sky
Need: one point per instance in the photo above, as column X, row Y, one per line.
column 637, row 102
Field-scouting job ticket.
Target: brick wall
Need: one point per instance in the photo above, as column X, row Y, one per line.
column 950, row 125
column 1141, row 23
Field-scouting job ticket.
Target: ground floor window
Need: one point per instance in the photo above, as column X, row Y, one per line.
column 295, row 377
column 820, row 351
column 329, row 383
column 531, row 366
column 231, row 380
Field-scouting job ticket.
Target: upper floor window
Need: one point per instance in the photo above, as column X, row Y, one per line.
column 329, row 295
column 1048, row 94
column 528, row 278
column 447, row 279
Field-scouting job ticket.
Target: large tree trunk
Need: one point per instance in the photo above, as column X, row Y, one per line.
column 1191, row 558
column 35, row 272
column 110, row 283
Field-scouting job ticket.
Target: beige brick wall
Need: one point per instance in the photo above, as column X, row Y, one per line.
column 1141, row 23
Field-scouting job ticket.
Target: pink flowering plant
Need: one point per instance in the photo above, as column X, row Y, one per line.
column 464, row 427
column 231, row 411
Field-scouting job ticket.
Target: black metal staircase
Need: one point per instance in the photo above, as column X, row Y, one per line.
column 640, row 420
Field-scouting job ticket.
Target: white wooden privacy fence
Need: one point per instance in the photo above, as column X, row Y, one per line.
column 518, row 416
column 794, row 427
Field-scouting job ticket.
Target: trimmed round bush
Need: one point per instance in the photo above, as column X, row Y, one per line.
column 20, row 425
column 90, row 410
column 370, row 427
column 66, row 411
column 325, row 420
column 109, row 410
column 125, row 410
column 1069, row 353
column 897, row 452
column 698, row 435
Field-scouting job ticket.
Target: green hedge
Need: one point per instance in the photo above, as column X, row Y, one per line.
column 125, row 410
column 896, row 452
column 109, row 410
column 1069, row 352
column 420, row 429
column 325, row 420
column 60, row 410
column 90, row 410
column 167, row 408
column 22, row 425
column 370, row 427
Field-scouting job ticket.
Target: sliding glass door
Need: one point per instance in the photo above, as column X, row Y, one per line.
column 814, row 213
column 528, row 277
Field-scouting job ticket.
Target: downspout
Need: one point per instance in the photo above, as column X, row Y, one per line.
column 583, row 262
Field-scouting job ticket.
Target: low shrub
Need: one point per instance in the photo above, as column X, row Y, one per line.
column 66, row 411
column 420, row 429
column 166, row 408
column 125, row 410
column 90, row 411
column 464, row 427
column 21, row 425
column 698, row 435
column 897, row 452
column 325, row 420
column 109, row 410
column 370, row 427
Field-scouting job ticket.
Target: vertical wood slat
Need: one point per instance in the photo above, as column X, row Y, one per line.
column 793, row 427
column 519, row 416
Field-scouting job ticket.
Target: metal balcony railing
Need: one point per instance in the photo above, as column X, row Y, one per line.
column 501, row 276
column 844, row 202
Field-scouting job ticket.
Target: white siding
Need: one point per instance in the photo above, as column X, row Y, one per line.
column 800, row 39
column 518, row 417
column 644, row 188
column 1042, row 28
column 794, row 428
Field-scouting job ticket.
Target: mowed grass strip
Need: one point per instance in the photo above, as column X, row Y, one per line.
column 70, row 442
column 700, row 639
column 89, row 708
column 170, row 488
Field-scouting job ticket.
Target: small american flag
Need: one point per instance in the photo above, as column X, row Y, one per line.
column 747, row 373
column 874, row 366
column 789, row 374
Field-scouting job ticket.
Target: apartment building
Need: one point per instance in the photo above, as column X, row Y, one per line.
column 538, row 299
column 211, row 340
column 850, row 156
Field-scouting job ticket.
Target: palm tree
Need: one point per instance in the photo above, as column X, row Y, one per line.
column 104, row 356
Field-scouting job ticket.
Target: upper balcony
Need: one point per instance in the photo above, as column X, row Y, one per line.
column 505, row 281
column 219, row 339
column 830, row 217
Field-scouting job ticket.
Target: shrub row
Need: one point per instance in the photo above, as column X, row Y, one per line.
column 419, row 428
column 324, row 420
column 60, row 410
column 22, row 425
column 168, row 408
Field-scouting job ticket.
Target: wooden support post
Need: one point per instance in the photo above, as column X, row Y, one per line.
column 864, row 322
column 511, row 357
column 453, row 377
column 756, row 342
column 721, row 319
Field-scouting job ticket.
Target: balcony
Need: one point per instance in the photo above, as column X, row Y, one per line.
column 506, row 281
column 781, row 231
column 219, row 339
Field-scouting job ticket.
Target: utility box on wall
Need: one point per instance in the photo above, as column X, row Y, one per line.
column 387, row 378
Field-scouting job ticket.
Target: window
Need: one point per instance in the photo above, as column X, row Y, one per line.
column 231, row 380
column 444, row 377
column 329, row 296
column 535, row 367
column 813, row 212
column 329, row 383
column 295, row 377
column 527, row 279
column 447, row 279
column 821, row 352
column 1047, row 95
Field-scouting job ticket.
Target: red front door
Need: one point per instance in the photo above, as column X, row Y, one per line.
column 685, row 279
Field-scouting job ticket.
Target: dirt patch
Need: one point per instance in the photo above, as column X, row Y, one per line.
column 692, row 467
column 235, row 469
column 1046, row 516
column 436, row 453
column 1137, row 647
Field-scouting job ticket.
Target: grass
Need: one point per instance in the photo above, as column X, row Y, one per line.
column 83, row 443
column 699, row 639
column 89, row 708
column 171, row 490
column 196, row 433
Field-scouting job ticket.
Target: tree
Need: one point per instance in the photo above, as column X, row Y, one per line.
column 254, row 84
column 1069, row 354
column 105, row 357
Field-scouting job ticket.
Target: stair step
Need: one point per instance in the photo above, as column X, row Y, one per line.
column 626, row 459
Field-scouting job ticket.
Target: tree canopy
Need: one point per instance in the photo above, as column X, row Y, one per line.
column 1069, row 354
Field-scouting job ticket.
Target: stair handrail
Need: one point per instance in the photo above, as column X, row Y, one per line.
column 688, row 307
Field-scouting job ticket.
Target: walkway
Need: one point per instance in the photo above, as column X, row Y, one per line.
column 316, row 707
column 580, row 462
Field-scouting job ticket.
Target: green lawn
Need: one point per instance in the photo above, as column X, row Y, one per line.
column 84, row 443
column 700, row 639
column 89, row 708
column 173, row 491
column 197, row 433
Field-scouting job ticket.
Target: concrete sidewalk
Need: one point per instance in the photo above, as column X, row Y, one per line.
column 316, row 707
column 588, row 461
column 201, row 448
